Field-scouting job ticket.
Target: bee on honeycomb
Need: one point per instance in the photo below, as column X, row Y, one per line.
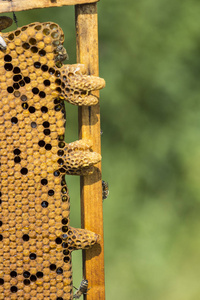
column 36, row 239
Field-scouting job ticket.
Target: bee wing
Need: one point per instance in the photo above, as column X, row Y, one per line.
column 5, row 22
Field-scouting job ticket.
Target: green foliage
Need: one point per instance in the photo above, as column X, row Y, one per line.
column 149, row 56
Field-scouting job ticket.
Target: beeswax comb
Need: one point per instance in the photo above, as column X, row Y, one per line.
column 36, row 239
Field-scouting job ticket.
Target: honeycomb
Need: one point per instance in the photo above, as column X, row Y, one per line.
column 36, row 239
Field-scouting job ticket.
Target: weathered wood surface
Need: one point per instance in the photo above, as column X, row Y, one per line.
column 19, row 5
column 89, row 127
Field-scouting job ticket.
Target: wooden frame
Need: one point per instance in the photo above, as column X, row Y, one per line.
column 89, row 127
column 19, row 5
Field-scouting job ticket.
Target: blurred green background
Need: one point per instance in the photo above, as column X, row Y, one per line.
column 150, row 116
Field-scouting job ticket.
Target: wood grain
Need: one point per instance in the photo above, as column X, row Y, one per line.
column 89, row 127
column 19, row 5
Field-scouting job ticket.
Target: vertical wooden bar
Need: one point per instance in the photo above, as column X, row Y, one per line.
column 89, row 127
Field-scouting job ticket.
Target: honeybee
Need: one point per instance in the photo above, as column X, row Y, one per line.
column 105, row 190
column 5, row 22
column 61, row 54
column 83, row 288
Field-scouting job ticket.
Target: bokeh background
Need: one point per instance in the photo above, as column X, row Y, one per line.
column 150, row 118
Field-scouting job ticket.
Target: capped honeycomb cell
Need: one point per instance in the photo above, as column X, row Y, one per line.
column 36, row 239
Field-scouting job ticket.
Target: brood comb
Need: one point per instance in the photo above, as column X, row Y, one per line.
column 36, row 239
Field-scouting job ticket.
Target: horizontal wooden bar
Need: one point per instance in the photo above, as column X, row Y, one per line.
column 19, row 5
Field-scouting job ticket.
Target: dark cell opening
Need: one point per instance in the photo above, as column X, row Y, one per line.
column 27, row 281
column 64, row 221
column 52, row 267
column 64, row 198
column 35, row 91
column 42, row 94
column 25, row 237
column 64, row 228
column 16, row 70
column 8, row 67
column 60, row 152
column 44, row 204
column 64, row 190
column 59, row 271
column 24, row 105
column 24, row 28
column 17, row 159
column 51, row 71
column 44, row 68
column 64, row 245
column 58, row 107
column 44, row 181
column 59, row 298
column 57, row 74
column 46, row 124
column 61, row 145
column 42, row 52
column 58, row 81
column 17, row 32
column 13, row 274
column 32, row 41
column 14, row 289
column 66, row 259
column 23, row 98
column 34, row 49
column 17, row 151
column 56, row 173
column 10, row 89
column 63, row 181
column 58, row 89
column 33, row 278
column 47, row 82
column 51, row 192
column 26, row 46
column 26, row 274
column 56, row 101
column 1, row 237
column 16, row 86
column 31, row 109
column 66, row 252
column 32, row 256
column 62, row 170
column 58, row 240
column 1, row 223
column 14, row 120
column 61, row 161
column 17, row 77
column 37, row 64
column 33, row 124
column 44, row 109
column 41, row 143
column 48, row 147
column 39, row 274
column 7, row 57
column 11, row 36
column 22, row 83
column 1, row 281
column 61, row 137
column 24, row 171
column 27, row 79
column 47, row 131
